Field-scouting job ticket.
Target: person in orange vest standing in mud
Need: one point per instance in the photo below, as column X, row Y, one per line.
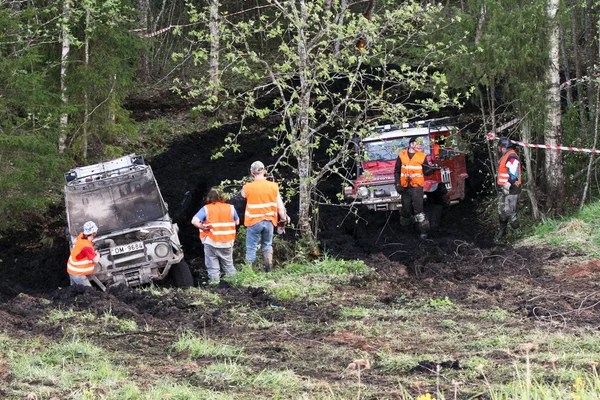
column 409, row 176
column 217, row 221
column 263, row 205
column 83, row 256
column 508, row 184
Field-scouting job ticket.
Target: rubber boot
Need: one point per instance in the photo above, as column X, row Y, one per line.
column 502, row 230
column 422, row 225
column 268, row 259
column 516, row 227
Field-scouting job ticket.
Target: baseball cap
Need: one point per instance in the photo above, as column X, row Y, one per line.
column 418, row 140
column 89, row 228
column 257, row 167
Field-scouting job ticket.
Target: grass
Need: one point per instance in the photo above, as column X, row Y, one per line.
column 204, row 347
column 576, row 232
column 301, row 281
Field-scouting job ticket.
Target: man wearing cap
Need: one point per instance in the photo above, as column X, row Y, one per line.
column 83, row 256
column 508, row 184
column 409, row 172
column 263, row 205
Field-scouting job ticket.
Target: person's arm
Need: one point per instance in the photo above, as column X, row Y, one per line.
column 428, row 169
column 512, row 165
column 199, row 219
column 235, row 216
column 88, row 253
column 281, row 209
column 397, row 169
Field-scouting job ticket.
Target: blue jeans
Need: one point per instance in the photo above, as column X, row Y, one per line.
column 259, row 232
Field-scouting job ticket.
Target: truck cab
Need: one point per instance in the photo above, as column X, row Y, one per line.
column 374, row 186
column 137, row 241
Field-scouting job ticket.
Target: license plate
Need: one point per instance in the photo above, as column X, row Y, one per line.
column 128, row 248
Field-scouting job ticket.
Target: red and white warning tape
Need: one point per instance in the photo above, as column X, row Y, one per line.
column 492, row 136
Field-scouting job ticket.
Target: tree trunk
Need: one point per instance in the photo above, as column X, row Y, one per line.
column 555, row 177
column 566, row 69
column 143, row 11
column 576, row 33
column 531, row 185
column 215, row 37
column 86, row 117
column 64, row 61
column 304, row 133
column 588, row 177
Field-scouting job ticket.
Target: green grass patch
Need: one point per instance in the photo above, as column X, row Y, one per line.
column 204, row 347
column 576, row 232
column 297, row 281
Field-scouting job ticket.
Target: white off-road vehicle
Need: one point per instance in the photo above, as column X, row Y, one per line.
column 137, row 241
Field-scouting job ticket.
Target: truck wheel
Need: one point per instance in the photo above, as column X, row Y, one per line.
column 181, row 275
column 434, row 215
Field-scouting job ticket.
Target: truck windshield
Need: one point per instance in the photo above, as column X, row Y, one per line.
column 386, row 150
column 114, row 204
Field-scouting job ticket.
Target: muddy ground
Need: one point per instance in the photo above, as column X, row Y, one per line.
column 458, row 259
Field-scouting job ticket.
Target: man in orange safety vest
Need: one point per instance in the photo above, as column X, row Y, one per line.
column 217, row 221
column 83, row 257
column 508, row 183
column 263, row 205
column 409, row 175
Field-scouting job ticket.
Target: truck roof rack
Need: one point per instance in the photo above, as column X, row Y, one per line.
column 103, row 170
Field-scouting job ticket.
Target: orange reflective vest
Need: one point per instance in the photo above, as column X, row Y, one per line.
column 261, row 196
column 80, row 267
column 503, row 175
column 411, row 172
column 219, row 217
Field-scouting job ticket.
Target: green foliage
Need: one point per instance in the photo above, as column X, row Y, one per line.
column 31, row 169
column 318, row 82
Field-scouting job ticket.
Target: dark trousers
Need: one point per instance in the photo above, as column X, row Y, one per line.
column 412, row 201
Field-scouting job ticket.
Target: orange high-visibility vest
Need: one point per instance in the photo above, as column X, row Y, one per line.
column 219, row 216
column 411, row 172
column 261, row 196
column 80, row 267
column 503, row 170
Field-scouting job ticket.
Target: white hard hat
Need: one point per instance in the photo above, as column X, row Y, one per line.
column 89, row 228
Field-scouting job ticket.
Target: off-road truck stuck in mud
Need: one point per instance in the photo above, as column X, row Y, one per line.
column 137, row 241
column 374, row 186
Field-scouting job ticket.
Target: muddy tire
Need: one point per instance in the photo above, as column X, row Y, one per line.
column 434, row 215
column 181, row 275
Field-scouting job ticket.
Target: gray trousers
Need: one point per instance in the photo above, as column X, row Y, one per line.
column 216, row 258
column 507, row 207
column 79, row 280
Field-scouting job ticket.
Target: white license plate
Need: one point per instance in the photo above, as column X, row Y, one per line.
column 128, row 248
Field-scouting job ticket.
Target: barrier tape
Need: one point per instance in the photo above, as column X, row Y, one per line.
column 492, row 136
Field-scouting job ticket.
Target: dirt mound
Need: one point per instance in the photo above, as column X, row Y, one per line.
column 34, row 261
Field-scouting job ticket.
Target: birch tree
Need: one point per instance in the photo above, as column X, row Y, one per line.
column 64, row 63
column 555, row 178
column 322, row 89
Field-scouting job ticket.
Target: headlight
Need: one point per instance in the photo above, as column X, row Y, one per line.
column 362, row 191
column 161, row 250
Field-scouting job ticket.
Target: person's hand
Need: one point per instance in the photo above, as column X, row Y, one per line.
column 204, row 227
column 506, row 188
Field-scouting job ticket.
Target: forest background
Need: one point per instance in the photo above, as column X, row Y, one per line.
column 324, row 71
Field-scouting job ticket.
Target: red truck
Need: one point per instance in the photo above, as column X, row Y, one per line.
column 377, row 154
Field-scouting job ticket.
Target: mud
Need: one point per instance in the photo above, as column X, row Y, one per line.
column 460, row 261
